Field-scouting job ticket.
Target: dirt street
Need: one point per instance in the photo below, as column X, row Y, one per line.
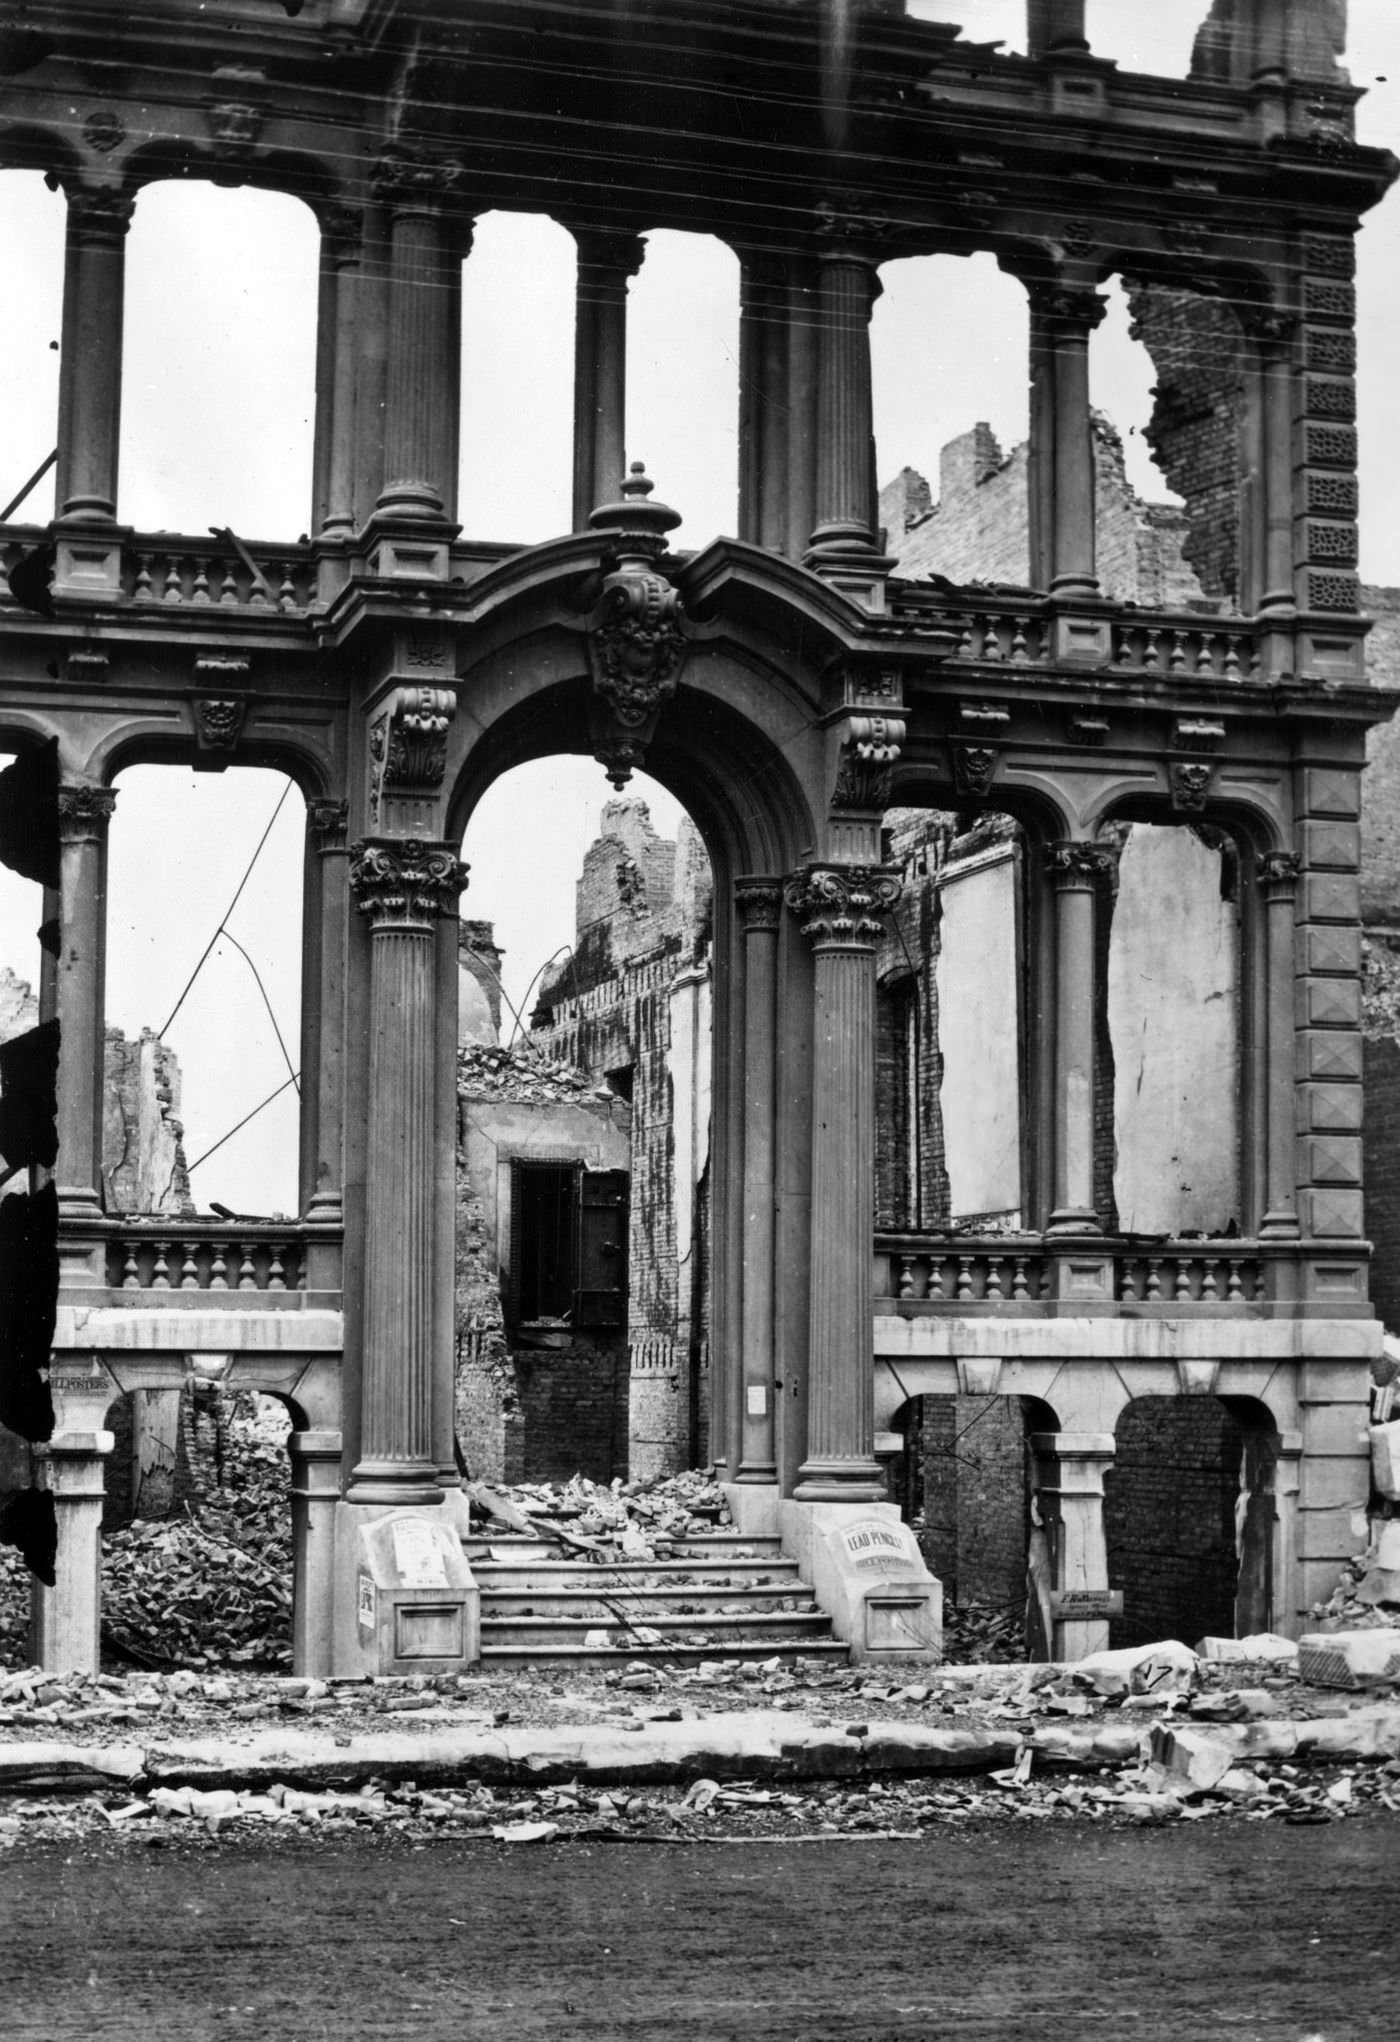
column 1258, row 1934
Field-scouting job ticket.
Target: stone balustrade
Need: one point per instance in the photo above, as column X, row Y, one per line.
column 1227, row 650
column 273, row 1263
column 957, row 1273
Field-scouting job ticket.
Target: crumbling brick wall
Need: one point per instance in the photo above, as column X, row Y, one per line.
column 972, row 1490
column 1197, row 350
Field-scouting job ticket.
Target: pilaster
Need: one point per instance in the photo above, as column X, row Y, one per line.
column 84, row 814
column 1324, row 482
column 1070, row 1469
column 1278, row 884
column 759, row 904
column 1327, row 1006
column 323, row 1011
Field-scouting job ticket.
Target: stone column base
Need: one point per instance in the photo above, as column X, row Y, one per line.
column 867, row 1575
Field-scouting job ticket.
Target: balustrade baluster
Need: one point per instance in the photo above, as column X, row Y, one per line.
column 964, row 650
column 1256, row 660
column 1205, row 656
column 1209, row 1288
column 1232, row 658
column 991, row 638
column 258, row 598
column 287, row 594
column 1127, row 1286
column 1020, row 1287
column 935, row 1276
column 906, row 1276
column 994, row 1289
column 172, row 591
column 1258, row 1281
column 160, row 1274
column 1176, row 658
column 276, row 1272
column 1234, row 1285
column 228, row 587
column 218, row 1269
column 1152, row 650
column 1183, row 1279
column 199, row 593
column 142, row 593
column 1019, row 653
column 964, row 1283
column 1154, row 1279
column 247, row 1275
column 131, row 1275
column 189, row 1269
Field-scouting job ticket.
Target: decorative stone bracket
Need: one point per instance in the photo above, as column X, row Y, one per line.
column 635, row 641
column 870, row 749
column 408, row 744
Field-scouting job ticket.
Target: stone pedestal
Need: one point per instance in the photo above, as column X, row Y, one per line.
column 869, row 1577
column 65, row 1620
column 1070, row 1468
column 315, row 1460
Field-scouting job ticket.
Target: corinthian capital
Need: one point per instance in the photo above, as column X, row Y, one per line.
column 84, row 813
column 843, row 904
column 403, row 884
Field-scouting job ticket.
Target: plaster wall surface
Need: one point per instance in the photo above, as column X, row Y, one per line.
column 978, row 1037
column 1173, row 987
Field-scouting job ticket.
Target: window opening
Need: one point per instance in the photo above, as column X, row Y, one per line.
column 31, row 318
column 683, row 365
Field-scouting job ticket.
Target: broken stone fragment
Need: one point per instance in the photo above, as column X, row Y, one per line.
column 1148, row 1669
column 1199, row 1760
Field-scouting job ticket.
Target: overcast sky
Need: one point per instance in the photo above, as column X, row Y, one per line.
column 217, row 430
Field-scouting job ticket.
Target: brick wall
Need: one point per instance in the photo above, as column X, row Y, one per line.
column 969, row 1489
column 1169, row 1518
column 1197, row 348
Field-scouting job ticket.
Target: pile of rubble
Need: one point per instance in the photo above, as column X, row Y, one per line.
column 603, row 1522
column 523, row 1077
column 1367, row 1596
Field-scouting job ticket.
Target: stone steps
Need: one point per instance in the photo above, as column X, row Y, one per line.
column 722, row 1597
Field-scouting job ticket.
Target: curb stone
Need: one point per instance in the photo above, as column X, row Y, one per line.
column 745, row 1745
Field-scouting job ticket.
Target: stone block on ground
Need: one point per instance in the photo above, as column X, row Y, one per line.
column 1201, row 1761
column 1148, row 1669
column 1349, row 1659
column 1266, row 1646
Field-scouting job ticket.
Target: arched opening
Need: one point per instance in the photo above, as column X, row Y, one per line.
column 31, row 318
column 1189, row 1518
column 948, row 341
column 583, row 1211
column 517, row 379
column 203, row 992
column 219, row 354
column 196, row 1563
column 962, row 1479
column 21, row 913
column 682, row 365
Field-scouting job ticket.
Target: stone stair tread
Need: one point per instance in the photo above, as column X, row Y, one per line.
column 678, row 1648
column 658, row 1620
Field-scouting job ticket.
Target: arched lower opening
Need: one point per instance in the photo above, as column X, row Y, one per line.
column 583, row 1213
column 196, row 1562
column 962, row 1479
column 203, row 992
column 218, row 386
column 1189, row 1518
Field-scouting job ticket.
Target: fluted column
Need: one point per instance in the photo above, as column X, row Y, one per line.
column 847, row 286
column 759, row 902
column 606, row 263
column 1074, row 870
column 1274, row 336
column 1062, row 442
column 425, row 252
column 323, row 1013
column 763, row 400
column 83, row 817
column 403, row 887
column 90, row 357
column 341, row 343
column 841, row 910
column 1278, row 881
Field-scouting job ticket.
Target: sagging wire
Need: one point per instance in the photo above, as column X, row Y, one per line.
column 293, row 1075
column 192, row 1167
column 222, row 929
